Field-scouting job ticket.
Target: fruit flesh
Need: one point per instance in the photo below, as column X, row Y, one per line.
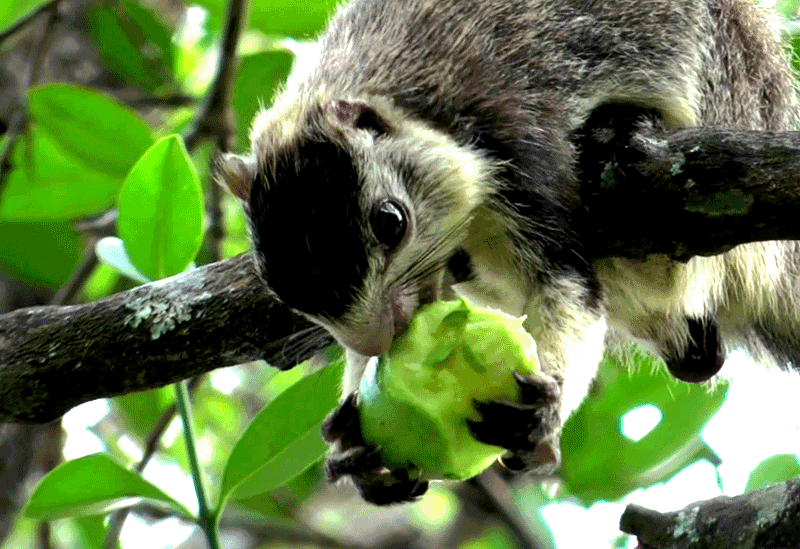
column 415, row 400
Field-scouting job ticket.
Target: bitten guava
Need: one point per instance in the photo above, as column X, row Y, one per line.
column 414, row 400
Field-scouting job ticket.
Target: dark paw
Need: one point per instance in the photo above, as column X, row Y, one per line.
column 351, row 457
column 343, row 426
column 528, row 429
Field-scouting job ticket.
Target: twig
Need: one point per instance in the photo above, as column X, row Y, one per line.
column 26, row 20
column 212, row 118
column 151, row 445
column 18, row 121
column 15, row 125
column 270, row 533
column 498, row 492
column 104, row 225
column 216, row 231
column 79, row 276
column 207, row 516
column 177, row 100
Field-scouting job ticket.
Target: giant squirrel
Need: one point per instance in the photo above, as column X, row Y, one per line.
column 432, row 145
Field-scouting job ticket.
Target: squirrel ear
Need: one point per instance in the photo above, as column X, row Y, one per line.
column 360, row 115
column 235, row 173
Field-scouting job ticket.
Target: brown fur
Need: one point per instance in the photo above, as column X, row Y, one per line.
column 481, row 99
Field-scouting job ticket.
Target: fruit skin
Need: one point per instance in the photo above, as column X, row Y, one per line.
column 414, row 401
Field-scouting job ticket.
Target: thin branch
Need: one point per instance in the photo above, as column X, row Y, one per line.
column 104, row 225
column 216, row 230
column 266, row 534
column 80, row 275
column 492, row 485
column 213, row 117
column 16, row 125
column 206, row 515
column 176, row 100
column 26, row 20
column 151, row 446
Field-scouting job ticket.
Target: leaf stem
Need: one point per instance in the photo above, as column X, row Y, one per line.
column 206, row 517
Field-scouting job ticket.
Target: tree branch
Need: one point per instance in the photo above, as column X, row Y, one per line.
column 698, row 191
column 53, row 358
column 213, row 118
column 26, row 20
column 39, row 50
column 683, row 193
column 766, row 519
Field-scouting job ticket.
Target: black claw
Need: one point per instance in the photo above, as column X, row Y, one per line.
column 544, row 458
column 506, row 424
column 363, row 464
column 537, row 390
column 514, row 462
column 527, row 429
column 356, row 461
column 389, row 488
column 420, row 489
column 344, row 426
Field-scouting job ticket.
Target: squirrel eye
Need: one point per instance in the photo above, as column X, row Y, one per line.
column 389, row 223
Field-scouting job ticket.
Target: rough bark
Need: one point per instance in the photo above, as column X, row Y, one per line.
column 53, row 358
column 696, row 191
column 690, row 192
column 765, row 519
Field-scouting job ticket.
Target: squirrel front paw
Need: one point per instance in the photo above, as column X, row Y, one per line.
column 528, row 429
column 351, row 457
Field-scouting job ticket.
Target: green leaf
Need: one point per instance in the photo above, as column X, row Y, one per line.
column 49, row 183
column 599, row 462
column 794, row 42
column 13, row 10
column 257, row 79
column 72, row 160
column 133, row 42
column 111, row 252
column 304, row 485
column 161, row 210
column 92, row 531
column 284, row 438
column 43, row 253
column 778, row 468
column 282, row 17
column 96, row 130
column 93, row 485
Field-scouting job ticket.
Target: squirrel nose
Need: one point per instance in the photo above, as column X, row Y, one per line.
column 372, row 339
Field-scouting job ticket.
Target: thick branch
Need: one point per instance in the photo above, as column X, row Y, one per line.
column 680, row 194
column 691, row 192
column 53, row 358
column 766, row 519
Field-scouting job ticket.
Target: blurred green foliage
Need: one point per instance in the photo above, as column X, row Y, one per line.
column 84, row 152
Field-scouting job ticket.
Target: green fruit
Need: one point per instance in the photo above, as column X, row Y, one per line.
column 414, row 401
